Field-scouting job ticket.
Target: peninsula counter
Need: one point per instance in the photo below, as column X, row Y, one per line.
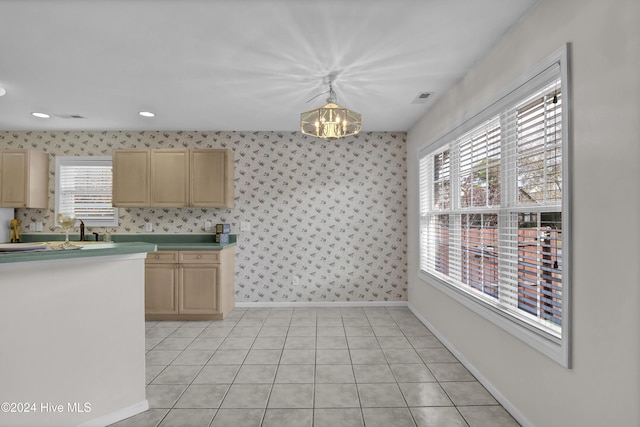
column 73, row 335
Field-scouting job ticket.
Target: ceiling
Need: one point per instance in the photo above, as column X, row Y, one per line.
column 241, row 65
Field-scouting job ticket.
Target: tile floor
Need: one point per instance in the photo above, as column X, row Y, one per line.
column 334, row 367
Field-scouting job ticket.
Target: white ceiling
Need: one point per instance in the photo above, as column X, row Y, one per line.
column 235, row 64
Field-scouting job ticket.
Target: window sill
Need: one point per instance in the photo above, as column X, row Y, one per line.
column 555, row 349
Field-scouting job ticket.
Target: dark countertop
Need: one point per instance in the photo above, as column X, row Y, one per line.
column 193, row 246
column 121, row 244
column 89, row 250
column 164, row 242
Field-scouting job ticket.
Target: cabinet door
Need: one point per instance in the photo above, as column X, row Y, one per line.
column 24, row 179
column 169, row 178
column 161, row 288
column 131, row 185
column 198, row 293
column 212, row 178
column 13, row 179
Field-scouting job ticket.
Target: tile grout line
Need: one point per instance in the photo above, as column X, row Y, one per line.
column 373, row 320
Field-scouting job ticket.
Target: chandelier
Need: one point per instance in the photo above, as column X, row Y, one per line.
column 331, row 121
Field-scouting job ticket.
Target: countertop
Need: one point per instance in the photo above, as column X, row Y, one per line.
column 177, row 242
column 93, row 250
column 120, row 244
column 164, row 242
column 167, row 246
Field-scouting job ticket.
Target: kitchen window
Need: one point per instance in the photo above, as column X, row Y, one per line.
column 84, row 187
column 494, row 214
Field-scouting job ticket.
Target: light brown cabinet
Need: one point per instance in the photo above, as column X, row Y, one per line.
column 189, row 285
column 131, row 178
column 24, row 179
column 173, row 178
column 170, row 178
column 198, row 289
column 212, row 174
column 161, row 283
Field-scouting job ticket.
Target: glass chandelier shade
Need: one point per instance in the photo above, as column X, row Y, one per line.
column 331, row 121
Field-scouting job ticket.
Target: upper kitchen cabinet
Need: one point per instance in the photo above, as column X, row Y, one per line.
column 170, row 178
column 24, row 179
column 131, row 178
column 173, row 178
column 212, row 178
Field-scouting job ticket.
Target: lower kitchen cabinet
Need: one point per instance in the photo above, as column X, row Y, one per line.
column 189, row 285
column 160, row 288
column 198, row 288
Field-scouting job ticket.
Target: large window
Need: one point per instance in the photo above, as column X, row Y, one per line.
column 84, row 187
column 493, row 211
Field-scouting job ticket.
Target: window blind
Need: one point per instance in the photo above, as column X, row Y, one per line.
column 533, row 220
column 491, row 209
column 84, row 187
column 479, row 165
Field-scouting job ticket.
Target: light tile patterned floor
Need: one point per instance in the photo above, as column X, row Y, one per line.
column 309, row 367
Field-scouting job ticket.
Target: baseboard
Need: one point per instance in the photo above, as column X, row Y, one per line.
column 506, row 403
column 119, row 415
column 270, row 304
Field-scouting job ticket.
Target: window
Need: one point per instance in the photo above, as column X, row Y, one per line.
column 493, row 216
column 83, row 186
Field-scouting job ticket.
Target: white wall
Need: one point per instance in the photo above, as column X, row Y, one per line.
column 603, row 387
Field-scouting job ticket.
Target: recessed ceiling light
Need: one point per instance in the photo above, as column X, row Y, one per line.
column 146, row 114
column 2, row 91
column 41, row 115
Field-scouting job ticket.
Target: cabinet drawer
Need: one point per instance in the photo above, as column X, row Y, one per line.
column 204, row 257
column 161, row 257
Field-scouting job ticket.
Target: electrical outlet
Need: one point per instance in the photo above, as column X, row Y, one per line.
column 207, row 226
column 295, row 281
column 32, row 226
column 245, row 226
column 148, row 226
column 38, row 226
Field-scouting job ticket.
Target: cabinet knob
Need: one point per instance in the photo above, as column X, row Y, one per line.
column 199, row 256
column 157, row 256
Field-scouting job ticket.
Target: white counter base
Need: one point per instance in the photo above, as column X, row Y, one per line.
column 73, row 343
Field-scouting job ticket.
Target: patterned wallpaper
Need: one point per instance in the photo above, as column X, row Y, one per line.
column 331, row 213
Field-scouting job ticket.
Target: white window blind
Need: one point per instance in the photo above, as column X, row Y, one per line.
column 492, row 211
column 84, row 187
column 479, row 165
column 534, row 223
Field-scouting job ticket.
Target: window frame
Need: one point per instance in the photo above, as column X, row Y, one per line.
column 62, row 161
column 556, row 348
